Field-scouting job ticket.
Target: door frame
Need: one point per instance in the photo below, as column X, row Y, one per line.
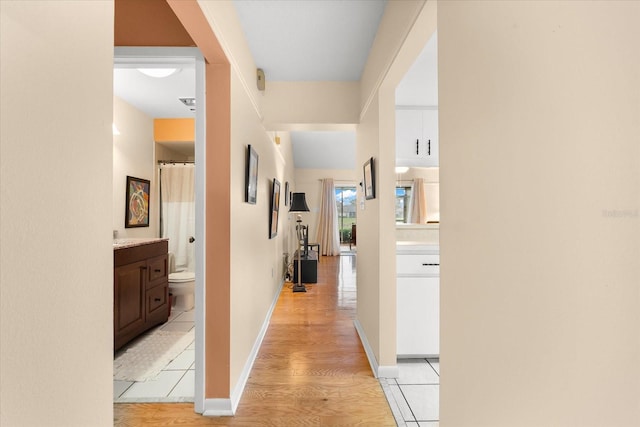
column 136, row 57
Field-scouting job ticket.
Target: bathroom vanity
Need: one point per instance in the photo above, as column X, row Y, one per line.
column 140, row 287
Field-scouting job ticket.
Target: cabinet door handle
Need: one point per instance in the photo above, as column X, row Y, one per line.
column 157, row 270
column 144, row 267
column 417, row 147
column 157, row 300
column 427, row 264
column 429, row 148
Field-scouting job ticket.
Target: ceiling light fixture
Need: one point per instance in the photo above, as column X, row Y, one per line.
column 189, row 102
column 157, row 72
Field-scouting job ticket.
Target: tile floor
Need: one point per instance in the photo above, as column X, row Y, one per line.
column 414, row 397
column 176, row 381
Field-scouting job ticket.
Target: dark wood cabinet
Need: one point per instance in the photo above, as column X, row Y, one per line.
column 140, row 291
column 308, row 265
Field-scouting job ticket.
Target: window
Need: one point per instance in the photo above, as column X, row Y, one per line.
column 403, row 196
column 346, row 203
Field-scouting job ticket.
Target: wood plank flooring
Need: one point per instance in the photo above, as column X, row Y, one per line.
column 311, row 369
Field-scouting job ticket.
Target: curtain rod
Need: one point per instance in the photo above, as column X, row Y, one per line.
column 340, row 180
column 173, row 162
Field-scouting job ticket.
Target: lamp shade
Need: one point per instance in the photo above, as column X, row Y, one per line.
column 298, row 203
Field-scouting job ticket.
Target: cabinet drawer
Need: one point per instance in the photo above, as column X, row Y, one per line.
column 157, row 268
column 156, row 299
column 418, row 264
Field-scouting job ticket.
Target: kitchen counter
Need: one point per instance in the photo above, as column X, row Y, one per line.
column 424, row 233
column 131, row 242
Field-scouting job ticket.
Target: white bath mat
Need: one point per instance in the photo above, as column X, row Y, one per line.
column 147, row 357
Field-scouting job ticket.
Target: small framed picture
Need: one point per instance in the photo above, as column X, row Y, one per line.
column 275, row 209
column 369, row 180
column 286, row 193
column 137, row 203
column 251, row 181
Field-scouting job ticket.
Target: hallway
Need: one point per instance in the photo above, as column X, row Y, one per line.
column 311, row 368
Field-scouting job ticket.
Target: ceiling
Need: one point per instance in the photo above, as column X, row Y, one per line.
column 310, row 40
column 156, row 97
column 296, row 40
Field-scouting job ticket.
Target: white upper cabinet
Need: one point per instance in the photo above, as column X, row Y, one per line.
column 417, row 137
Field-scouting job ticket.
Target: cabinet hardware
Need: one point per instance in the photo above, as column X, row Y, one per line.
column 192, row 239
column 157, row 270
column 144, row 267
column 427, row 264
column 417, row 147
column 429, row 148
column 157, row 300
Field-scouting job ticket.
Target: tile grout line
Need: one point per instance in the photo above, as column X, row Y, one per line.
column 184, row 373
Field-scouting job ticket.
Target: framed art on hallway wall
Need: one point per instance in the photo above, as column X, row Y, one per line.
column 251, row 178
column 275, row 209
column 369, row 183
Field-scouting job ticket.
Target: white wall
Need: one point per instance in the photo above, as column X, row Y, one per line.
column 403, row 32
column 540, row 187
column 56, row 293
column 286, row 103
column 308, row 181
column 133, row 155
column 257, row 261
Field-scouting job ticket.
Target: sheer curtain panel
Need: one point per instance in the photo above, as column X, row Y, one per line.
column 418, row 203
column 328, row 235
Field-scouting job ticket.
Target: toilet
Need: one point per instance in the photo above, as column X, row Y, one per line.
column 182, row 285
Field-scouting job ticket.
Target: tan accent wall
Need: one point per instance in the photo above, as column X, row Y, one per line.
column 540, row 231
column 217, row 204
column 56, row 253
column 148, row 23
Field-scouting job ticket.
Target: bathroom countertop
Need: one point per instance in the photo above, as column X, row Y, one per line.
column 131, row 242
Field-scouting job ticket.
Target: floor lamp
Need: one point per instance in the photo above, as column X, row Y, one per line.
column 299, row 204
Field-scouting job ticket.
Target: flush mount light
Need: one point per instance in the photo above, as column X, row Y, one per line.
column 401, row 169
column 158, row 72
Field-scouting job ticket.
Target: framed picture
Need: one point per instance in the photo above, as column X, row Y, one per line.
column 369, row 180
column 275, row 209
column 251, row 179
column 286, row 193
column 137, row 203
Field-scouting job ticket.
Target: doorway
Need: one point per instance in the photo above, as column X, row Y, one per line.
column 184, row 373
column 346, row 204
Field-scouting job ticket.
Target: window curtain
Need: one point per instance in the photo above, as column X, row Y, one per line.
column 328, row 235
column 177, row 192
column 418, row 203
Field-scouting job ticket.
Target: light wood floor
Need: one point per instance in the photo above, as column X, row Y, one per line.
column 311, row 369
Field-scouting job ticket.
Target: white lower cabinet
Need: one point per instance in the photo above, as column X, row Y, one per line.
column 418, row 301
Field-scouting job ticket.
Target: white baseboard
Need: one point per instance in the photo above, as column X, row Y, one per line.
column 378, row 371
column 367, row 348
column 217, row 408
column 228, row 407
column 388, row 371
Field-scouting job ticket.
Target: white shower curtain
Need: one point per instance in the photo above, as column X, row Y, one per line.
column 178, row 212
column 418, row 203
column 328, row 235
